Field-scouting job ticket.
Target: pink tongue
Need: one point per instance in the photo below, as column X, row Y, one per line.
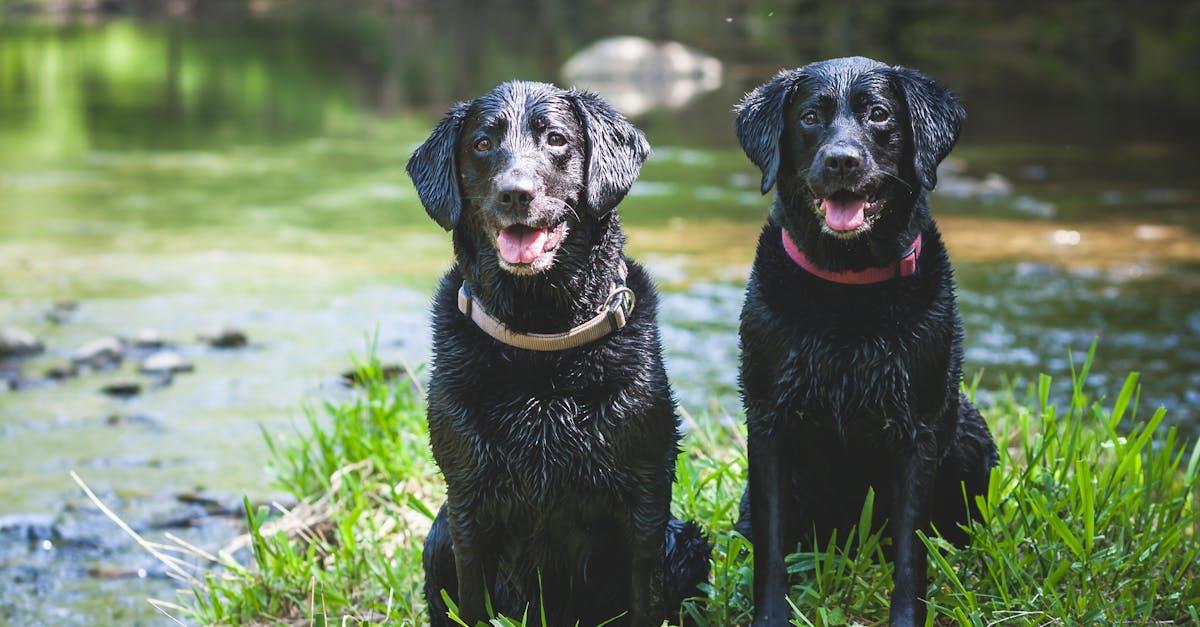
column 845, row 213
column 521, row 245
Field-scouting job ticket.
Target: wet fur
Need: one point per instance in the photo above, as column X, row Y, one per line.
column 850, row 387
column 558, row 465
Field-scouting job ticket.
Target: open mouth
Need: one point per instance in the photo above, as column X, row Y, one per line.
column 846, row 211
column 522, row 244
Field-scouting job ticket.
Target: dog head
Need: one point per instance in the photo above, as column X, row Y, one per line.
column 850, row 142
column 520, row 168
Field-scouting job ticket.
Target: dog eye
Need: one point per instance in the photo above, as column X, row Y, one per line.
column 483, row 144
column 556, row 139
column 878, row 114
column 809, row 117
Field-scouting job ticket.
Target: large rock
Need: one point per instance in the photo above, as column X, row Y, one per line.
column 637, row 75
column 103, row 353
column 17, row 342
column 165, row 362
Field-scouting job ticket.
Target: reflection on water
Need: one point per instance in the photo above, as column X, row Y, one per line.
column 248, row 169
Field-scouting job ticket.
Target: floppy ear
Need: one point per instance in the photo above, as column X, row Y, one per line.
column 433, row 168
column 759, row 122
column 615, row 153
column 936, row 117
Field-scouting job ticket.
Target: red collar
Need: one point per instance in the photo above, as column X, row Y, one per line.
column 906, row 266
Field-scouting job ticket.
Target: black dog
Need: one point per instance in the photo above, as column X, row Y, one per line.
column 851, row 339
column 559, row 458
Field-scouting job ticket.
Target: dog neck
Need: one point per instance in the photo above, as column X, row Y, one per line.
column 905, row 267
column 557, row 299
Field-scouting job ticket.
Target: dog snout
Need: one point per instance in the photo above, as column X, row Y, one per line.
column 841, row 160
column 515, row 190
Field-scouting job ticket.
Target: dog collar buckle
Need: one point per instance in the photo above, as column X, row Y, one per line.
column 618, row 305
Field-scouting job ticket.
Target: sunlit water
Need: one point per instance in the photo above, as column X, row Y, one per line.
column 177, row 177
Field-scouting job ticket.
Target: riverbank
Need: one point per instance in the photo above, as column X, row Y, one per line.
column 1091, row 516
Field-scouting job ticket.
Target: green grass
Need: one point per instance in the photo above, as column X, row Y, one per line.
column 1091, row 517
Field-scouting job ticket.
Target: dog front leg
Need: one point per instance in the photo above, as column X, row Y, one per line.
column 473, row 563
column 915, row 474
column 769, row 480
column 648, row 528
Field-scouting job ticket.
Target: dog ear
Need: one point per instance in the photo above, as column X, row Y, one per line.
column 615, row 149
column 433, row 168
column 759, row 122
column 935, row 116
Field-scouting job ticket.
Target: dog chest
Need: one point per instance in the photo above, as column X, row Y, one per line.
column 534, row 448
column 845, row 374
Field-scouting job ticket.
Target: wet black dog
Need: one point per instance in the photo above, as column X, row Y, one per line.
column 851, row 338
column 558, row 463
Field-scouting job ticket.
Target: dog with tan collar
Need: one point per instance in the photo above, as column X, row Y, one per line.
column 549, row 410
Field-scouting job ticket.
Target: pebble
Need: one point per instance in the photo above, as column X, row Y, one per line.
column 148, row 338
column 990, row 187
column 58, row 373
column 388, row 371
column 214, row 504
column 32, row 528
column 147, row 420
column 1153, row 232
column 1193, row 324
column 1034, row 172
column 165, row 362
column 112, row 571
column 16, row 382
column 224, row 337
column 995, row 185
column 1034, row 207
column 60, row 311
column 122, row 389
column 105, row 352
column 17, row 342
column 952, row 166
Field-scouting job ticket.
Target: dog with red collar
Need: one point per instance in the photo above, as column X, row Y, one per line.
column 851, row 340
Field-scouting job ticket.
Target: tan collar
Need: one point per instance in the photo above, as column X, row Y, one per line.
column 610, row 318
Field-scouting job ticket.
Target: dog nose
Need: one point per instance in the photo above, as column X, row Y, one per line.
column 515, row 191
column 842, row 159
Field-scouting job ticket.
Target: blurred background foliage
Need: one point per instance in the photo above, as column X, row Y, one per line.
column 114, row 74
